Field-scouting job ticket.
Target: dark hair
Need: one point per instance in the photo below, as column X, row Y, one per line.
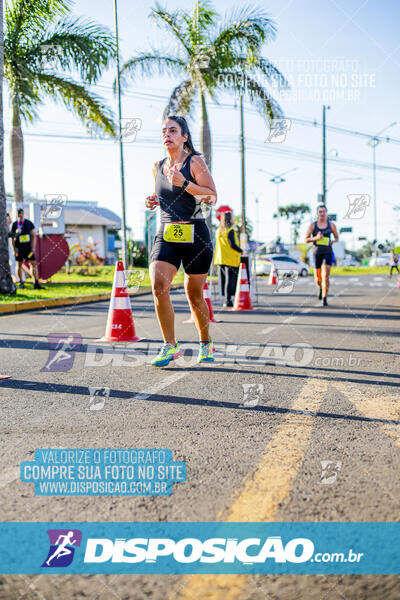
column 20, row 210
column 188, row 145
column 226, row 220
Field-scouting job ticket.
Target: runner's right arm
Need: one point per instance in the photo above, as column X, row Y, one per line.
column 310, row 237
column 152, row 202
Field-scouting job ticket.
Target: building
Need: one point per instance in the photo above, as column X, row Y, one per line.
column 85, row 223
column 88, row 223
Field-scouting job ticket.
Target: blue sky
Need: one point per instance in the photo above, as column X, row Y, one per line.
column 346, row 49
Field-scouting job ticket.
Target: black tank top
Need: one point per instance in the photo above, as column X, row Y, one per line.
column 177, row 204
column 326, row 232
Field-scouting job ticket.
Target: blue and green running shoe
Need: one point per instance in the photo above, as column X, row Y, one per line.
column 167, row 353
column 206, row 352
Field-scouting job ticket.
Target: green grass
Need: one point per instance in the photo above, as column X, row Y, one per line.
column 73, row 284
column 358, row 270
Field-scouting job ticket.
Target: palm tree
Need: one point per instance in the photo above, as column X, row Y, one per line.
column 42, row 43
column 211, row 57
column 295, row 212
column 6, row 283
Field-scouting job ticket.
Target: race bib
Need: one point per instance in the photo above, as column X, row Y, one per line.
column 323, row 241
column 178, row 232
column 24, row 238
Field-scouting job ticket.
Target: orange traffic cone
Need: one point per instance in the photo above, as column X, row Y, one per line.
column 120, row 326
column 242, row 296
column 207, row 298
column 273, row 276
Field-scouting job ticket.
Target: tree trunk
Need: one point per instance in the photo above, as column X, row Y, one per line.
column 205, row 147
column 6, row 283
column 17, row 155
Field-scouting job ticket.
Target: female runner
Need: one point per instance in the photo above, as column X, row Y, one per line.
column 182, row 182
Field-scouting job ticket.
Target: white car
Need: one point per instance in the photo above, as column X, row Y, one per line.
column 349, row 261
column 383, row 260
column 281, row 262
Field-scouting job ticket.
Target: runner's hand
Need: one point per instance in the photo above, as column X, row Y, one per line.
column 151, row 202
column 319, row 236
column 175, row 177
column 206, row 198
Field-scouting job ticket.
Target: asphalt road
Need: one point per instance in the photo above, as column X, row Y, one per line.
column 294, row 384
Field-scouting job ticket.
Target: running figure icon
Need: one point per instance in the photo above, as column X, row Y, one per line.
column 62, row 549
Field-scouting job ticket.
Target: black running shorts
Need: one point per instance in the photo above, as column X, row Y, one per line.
column 196, row 257
column 326, row 258
column 24, row 254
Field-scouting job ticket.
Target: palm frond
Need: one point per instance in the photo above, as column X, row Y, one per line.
column 149, row 63
column 264, row 67
column 87, row 106
column 246, row 27
column 173, row 22
column 24, row 17
column 199, row 22
column 257, row 94
column 74, row 44
column 181, row 99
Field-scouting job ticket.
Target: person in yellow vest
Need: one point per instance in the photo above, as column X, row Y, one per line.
column 227, row 256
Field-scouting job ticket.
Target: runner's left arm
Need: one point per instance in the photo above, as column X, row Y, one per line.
column 33, row 239
column 204, row 185
column 335, row 233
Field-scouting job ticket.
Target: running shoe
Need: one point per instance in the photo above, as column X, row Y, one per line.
column 206, row 352
column 21, row 285
column 324, row 301
column 167, row 353
column 320, row 294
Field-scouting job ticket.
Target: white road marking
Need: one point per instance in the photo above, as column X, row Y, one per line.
column 161, row 385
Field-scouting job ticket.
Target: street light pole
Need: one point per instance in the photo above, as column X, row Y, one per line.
column 243, row 234
column 373, row 142
column 324, row 109
column 121, row 147
column 277, row 179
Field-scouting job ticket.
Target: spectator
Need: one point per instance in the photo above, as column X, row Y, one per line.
column 394, row 263
column 227, row 256
column 24, row 241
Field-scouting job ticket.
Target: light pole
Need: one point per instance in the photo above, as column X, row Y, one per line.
column 277, row 179
column 121, row 147
column 373, row 142
column 324, row 109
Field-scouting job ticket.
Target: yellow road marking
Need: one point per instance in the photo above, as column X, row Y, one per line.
column 378, row 407
column 262, row 491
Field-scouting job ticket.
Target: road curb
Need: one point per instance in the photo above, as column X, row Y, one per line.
column 27, row 305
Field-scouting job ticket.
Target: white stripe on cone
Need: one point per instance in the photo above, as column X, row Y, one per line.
column 119, row 279
column 120, row 303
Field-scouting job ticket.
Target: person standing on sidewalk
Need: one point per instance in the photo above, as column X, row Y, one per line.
column 227, row 257
column 319, row 233
column 24, row 241
column 394, row 263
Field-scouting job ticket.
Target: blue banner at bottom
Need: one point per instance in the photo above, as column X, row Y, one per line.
column 190, row 548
